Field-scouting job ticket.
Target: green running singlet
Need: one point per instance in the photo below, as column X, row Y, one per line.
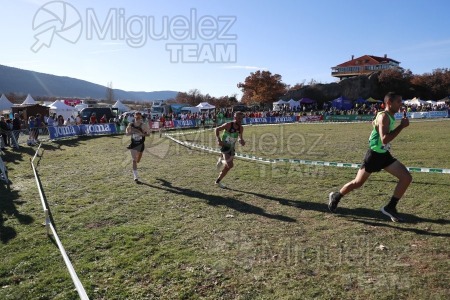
column 375, row 139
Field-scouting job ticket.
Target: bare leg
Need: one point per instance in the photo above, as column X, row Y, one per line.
column 359, row 180
column 404, row 177
column 138, row 156
column 134, row 155
column 228, row 165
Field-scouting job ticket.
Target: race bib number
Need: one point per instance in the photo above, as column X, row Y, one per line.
column 230, row 140
column 387, row 147
column 136, row 137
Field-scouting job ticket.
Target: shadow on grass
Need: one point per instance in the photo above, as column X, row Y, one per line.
column 15, row 156
column 72, row 141
column 362, row 215
column 416, row 182
column 215, row 200
column 8, row 207
column 57, row 144
column 408, row 229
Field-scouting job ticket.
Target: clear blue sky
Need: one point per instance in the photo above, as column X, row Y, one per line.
column 300, row 40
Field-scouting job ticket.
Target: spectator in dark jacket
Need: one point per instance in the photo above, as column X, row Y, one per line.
column 17, row 126
column 4, row 132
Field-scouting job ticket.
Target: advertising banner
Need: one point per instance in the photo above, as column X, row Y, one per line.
column 348, row 118
column 59, row 132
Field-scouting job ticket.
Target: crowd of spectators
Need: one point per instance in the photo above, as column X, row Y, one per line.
column 283, row 111
column 34, row 124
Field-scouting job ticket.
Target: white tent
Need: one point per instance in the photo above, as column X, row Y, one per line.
column 415, row 101
column 278, row 104
column 431, row 102
column 60, row 108
column 292, row 103
column 29, row 101
column 121, row 107
column 5, row 104
column 205, row 106
column 79, row 107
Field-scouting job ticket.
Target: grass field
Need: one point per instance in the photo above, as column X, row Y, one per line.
column 269, row 236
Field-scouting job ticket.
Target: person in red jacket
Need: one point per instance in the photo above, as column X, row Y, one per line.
column 103, row 119
column 93, row 119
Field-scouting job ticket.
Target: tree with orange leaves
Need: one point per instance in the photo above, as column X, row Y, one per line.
column 261, row 87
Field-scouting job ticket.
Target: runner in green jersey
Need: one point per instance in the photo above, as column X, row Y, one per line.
column 379, row 158
column 232, row 132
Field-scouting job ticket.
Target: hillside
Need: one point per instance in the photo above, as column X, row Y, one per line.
column 19, row 81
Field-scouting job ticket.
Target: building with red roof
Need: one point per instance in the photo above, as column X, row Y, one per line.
column 364, row 65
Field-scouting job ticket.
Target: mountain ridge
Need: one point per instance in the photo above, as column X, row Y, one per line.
column 20, row 81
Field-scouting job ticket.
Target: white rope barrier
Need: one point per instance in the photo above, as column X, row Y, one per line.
column 48, row 224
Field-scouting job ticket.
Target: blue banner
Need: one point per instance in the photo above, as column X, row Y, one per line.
column 58, row 132
column 270, row 120
column 423, row 114
column 256, row 120
column 184, row 123
column 290, row 119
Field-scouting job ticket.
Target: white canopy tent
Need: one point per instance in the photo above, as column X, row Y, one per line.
column 121, row 107
column 278, row 104
column 292, row 103
column 29, row 101
column 60, row 108
column 5, row 104
column 79, row 107
column 205, row 106
column 415, row 101
column 431, row 102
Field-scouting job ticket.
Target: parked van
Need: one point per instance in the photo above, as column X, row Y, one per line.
column 240, row 107
column 99, row 112
column 190, row 109
column 159, row 108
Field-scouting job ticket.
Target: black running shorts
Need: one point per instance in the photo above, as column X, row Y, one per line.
column 138, row 147
column 375, row 162
column 228, row 150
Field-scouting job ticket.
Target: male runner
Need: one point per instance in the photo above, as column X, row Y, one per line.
column 378, row 157
column 232, row 132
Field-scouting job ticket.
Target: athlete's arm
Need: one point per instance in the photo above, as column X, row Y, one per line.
column 145, row 129
column 128, row 131
column 218, row 130
column 241, row 136
column 383, row 128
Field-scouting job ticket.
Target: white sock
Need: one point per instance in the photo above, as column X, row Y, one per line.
column 135, row 173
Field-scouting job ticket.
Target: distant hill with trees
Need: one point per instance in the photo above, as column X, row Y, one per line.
column 22, row 82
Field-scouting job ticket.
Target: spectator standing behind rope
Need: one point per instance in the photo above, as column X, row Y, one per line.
column 4, row 131
column 10, row 125
column 50, row 121
column 31, row 128
column 38, row 123
column 93, row 119
column 17, row 126
column 103, row 119
column 78, row 120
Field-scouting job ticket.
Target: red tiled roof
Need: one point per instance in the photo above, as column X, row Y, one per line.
column 366, row 60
